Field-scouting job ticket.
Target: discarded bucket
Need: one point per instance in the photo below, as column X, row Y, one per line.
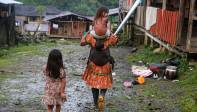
column 171, row 72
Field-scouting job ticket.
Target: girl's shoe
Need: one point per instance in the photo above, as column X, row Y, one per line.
column 101, row 103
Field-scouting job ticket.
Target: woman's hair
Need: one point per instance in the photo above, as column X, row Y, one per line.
column 100, row 11
column 54, row 64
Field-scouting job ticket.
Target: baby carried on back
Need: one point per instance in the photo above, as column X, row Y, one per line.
column 99, row 54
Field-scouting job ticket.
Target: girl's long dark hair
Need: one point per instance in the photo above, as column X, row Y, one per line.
column 54, row 63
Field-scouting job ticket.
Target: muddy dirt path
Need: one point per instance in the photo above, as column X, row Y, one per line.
column 22, row 92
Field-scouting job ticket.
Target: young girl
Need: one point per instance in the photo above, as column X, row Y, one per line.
column 98, row 73
column 55, row 81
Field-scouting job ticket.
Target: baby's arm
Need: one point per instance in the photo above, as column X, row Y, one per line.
column 83, row 41
column 86, row 39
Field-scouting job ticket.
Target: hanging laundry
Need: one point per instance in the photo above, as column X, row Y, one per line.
column 151, row 17
column 166, row 26
column 139, row 18
column 130, row 3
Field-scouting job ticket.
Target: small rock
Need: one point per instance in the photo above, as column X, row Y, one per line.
column 113, row 73
column 175, row 81
column 79, row 104
column 128, row 97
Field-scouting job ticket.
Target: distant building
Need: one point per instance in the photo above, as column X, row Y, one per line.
column 68, row 25
column 28, row 18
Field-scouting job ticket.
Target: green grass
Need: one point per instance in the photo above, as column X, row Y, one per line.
column 185, row 90
column 189, row 84
column 11, row 56
column 146, row 55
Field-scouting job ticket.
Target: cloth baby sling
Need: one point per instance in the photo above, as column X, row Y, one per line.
column 100, row 55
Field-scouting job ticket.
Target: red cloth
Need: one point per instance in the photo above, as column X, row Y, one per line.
column 166, row 26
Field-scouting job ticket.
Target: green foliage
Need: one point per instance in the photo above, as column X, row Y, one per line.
column 188, row 104
column 40, row 9
column 86, row 7
column 183, row 65
column 185, row 88
column 147, row 55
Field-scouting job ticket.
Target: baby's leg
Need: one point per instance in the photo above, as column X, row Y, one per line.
column 50, row 108
column 58, row 108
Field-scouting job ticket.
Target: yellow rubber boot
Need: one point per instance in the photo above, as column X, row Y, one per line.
column 101, row 103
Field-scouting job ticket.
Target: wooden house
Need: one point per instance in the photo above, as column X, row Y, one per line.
column 170, row 23
column 7, row 22
column 68, row 25
column 28, row 18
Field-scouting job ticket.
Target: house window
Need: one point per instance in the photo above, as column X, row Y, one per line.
column 3, row 14
column 32, row 18
column 55, row 26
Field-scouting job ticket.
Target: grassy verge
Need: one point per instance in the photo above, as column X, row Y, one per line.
column 11, row 56
column 182, row 93
column 146, row 55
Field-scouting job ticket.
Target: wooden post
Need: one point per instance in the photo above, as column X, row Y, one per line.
column 190, row 25
column 147, row 3
column 181, row 20
column 164, row 4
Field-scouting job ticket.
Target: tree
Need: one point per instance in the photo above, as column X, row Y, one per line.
column 40, row 11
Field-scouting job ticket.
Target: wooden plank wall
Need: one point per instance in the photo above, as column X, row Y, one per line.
column 70, row 29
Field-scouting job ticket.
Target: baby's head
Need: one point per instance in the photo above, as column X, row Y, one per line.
column 54, row 63
column 102, row 12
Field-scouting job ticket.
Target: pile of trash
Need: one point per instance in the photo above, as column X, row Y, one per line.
column 165, row 70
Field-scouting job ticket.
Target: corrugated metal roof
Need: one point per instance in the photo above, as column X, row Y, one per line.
column 113, row 11
column 66, row 13
column 10, row 2
column 30, row 10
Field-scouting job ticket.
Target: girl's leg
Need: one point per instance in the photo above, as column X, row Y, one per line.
column 101, row 100
column 50, row 108
column 58, row 108
column 103, row 92
column 95, row 93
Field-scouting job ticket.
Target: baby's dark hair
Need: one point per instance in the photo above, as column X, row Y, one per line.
column 54, row 63
column 100, row 11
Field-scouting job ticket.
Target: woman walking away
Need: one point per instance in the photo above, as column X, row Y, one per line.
column 98, row 73
column 54, row 73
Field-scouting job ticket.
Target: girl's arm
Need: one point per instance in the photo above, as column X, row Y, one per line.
column 112, row 40
column 63, row 84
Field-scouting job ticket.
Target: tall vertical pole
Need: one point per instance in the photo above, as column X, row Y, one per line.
column 181, row 20
column 190, row 25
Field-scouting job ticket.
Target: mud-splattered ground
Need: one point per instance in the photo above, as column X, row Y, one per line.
column 22, row 88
